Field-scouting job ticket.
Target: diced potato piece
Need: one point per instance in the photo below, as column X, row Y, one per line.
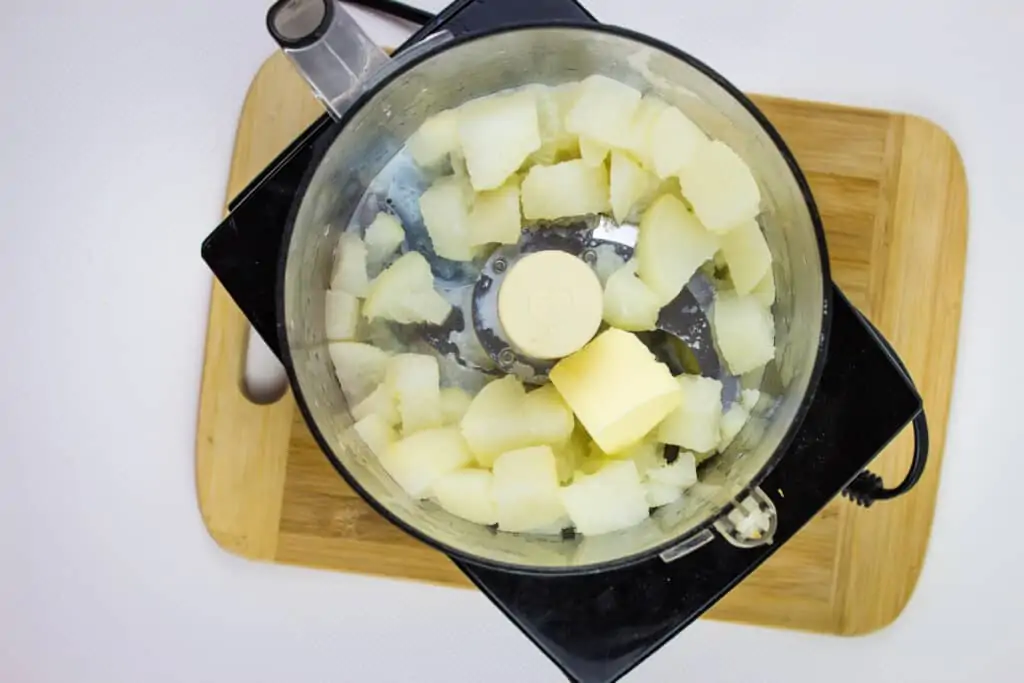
column 495, row 216
column 630, row 185
column 659, row 494
column 382, row 403
column 682, row 473
column 526, row 489
column 454, row 404
column 489, row 423
column 405, row 293
column 383, row 236
column 675, row 141
column 671, row 246
column 468, row 494
column 445, row 209
column 436, row 138
column 646, row 455
column 553, row 107
column 609, row 500
column 732, row 422
column 503, row 417
column 744, row 331
column 641, row 129
column 418, row 461
column 341, row 313
column 629, row 304
column 497, row 134
column 747, row 255
column 721, row 187
column 694, row 424
column 376, row 433
column 549, row 418
column 350, row 266
column 617, row 389
column 414, row 379
column 749, row 399
column 571, row 188
column 553, row 104
column 593, row 152
column 603, row 111
column 359, row 368
column 764, row 291
column 572, row 454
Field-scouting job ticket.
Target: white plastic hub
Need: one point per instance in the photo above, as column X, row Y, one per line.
column 550, row 304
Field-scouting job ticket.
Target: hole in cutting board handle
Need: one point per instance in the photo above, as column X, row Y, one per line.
column 264, row 381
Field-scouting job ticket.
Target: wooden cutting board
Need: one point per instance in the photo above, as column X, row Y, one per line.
column 893, row 196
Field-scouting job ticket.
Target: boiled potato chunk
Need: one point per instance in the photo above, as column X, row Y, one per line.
column 630, row 186
column 764, row 291
column 744, row 331
column 611, row 499
column 350, row 266
column 721, row 187
column 445, row 209
column 571, row 188
column 629, row 304
column 341, row 313
column 732, row 422
column 671, row 246
column 414, row 380
column 383, row 237
column 694, row 423
column 497, row 134
column 646, row 455
column 569, row 456
column 553, row 105
column 675, row 141
column 747, row 255
column 593, row 152
column 489, row 423
column 617, row 389
column 376, row 433
column 381, row 402
column 526, row 489
column 659, row 494
column 603, row 110
column 359, row 367
column 495, row 216
column 418, row 461
column 436, row 138
column 682, row 473
column 405, row 293
column 503, row 417
column 468, row 494
column 454, row 404
column 749, row 399
column 640, row 142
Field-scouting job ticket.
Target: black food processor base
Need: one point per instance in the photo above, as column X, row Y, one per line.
column 599, row 626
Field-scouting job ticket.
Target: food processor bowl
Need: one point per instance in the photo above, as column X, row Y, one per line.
column 360, row 161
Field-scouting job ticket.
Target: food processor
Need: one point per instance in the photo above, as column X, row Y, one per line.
column 596, row 605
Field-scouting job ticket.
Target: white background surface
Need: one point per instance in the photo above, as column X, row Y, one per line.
column 117, row 119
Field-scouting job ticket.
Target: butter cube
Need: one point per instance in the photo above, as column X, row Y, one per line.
column 617, row 389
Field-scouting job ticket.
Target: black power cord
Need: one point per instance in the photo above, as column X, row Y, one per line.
column 399, row 10
column 866, row 487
